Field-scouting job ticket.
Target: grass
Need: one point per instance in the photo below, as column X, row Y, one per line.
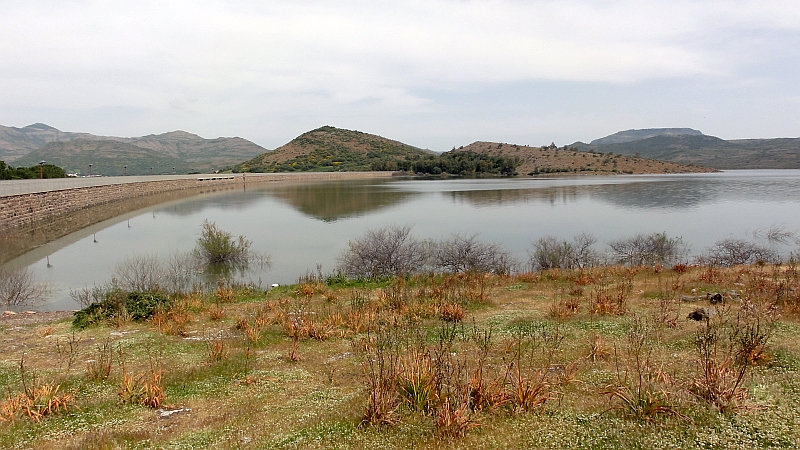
column 389, row 365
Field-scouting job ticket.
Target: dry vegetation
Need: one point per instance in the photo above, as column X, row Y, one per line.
column 596, row 358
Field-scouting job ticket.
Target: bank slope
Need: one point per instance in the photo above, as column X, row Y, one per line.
column 334, row 149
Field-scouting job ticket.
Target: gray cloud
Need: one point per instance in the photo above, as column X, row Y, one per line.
column 434, row 73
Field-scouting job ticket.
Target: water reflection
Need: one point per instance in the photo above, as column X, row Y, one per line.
column 304, row 224
column 330, row 202
column 647, row 192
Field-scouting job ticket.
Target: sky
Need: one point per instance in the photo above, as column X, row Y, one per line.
column 434, row 73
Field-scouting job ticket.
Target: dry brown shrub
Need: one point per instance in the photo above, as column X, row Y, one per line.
column 216, row 313
column 454, row 420
column 528, row 392
column 217, row 350
column 144, row 389
column 99, row 369
column 563, row 308
column 45, row 331
column 487, row 395
column 38, row 400
column 224, row 294
column 597, row 349
column 305, row 290
column 451, row 312
column 680, row 268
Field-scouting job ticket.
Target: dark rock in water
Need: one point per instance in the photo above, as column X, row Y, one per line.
column 698, row 314
column 714, row 298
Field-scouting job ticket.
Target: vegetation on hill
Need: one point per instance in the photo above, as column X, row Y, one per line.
column 37, row 171
column 328, row 149
column 464, row 163
column 552, row 159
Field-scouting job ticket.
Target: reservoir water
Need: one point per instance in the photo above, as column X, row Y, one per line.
column 302, row 225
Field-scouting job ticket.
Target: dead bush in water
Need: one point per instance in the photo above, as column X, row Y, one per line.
column 550, row 253
column 648, row 250
column 468, row 254
column 383, row 252
column 733, row 252
column 18, row 287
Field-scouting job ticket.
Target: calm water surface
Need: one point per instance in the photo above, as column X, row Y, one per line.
column 302, row 225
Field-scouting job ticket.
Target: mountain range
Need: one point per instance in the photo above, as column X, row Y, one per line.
column 654, row 150
column 687, row 146
column 185, row 152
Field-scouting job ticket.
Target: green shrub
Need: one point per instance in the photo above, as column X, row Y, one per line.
column 216, row 246
column 139, row 305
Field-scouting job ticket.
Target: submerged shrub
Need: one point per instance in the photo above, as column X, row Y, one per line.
column 140, row 273
column 216, row 246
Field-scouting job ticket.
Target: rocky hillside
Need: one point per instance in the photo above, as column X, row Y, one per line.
column 17, row 142
column 552, row 159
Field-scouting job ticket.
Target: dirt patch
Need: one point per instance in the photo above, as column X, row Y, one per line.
column 32, row 317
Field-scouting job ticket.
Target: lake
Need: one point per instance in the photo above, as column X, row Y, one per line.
column 302, row 225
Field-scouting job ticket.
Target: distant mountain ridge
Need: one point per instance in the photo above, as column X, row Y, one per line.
column 107, row 158
column 669, row 144
column 184, row 151
column 637, row 135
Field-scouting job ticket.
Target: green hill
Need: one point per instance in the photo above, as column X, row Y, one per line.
column 328, row 149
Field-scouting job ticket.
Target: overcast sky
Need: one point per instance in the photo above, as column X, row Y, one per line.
column 431, row 73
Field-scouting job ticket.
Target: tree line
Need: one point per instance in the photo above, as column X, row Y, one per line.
column 22, row 173
column 462, row 163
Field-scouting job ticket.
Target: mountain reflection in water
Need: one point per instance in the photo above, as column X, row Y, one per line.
column 302, row 225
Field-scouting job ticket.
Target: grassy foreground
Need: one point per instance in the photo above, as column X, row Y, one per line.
column 598, row 358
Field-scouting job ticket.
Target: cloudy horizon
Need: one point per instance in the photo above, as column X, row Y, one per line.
column 434, row 74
